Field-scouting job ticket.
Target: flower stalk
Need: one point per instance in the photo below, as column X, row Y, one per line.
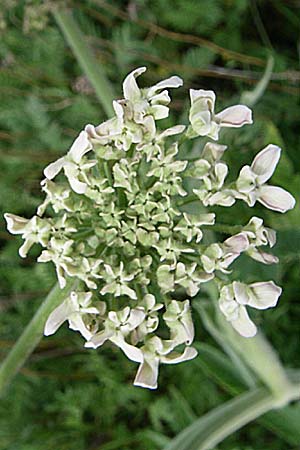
column 31, row 336
column 84, row 56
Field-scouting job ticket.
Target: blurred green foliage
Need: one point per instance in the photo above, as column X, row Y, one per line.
column 68, row 398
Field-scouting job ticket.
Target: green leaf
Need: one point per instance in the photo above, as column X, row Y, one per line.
column 285, row 423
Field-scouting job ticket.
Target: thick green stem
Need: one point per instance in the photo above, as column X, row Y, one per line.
column 85, row 58
column 212, row 428
column 31, row 336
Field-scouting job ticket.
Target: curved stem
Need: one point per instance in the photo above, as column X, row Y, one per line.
column 212, row 428
column 32, row 335
column 255, row 404
column 85, row 58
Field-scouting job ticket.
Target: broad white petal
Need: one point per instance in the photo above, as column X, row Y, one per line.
column 276, row 198
column 58, row 317
column 177, row 129
column 175, row 358
column 243, row 324
column 264, row 295
column 221, row 171
column 118, row 109
column 133, row 353
column 235, row 116
column 160, row 111
column 147, row 374
column 263, row 257
column 241, row 293
column 77, row 185
column 54, row 168
column 80, row 147
column 98, row 339
column 76, row 323
column 237, row 243
column 265, row 163
column 15, row 224
column 196, row 94
column 130, row 88
column 24, row 249
column 213, row 151
column 136, row 317
column 172, row 82
column 162, row 98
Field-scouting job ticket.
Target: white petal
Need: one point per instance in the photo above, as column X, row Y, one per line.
column 177, row 129
column 76, row 323
column 214, row 151
column 77, row 185
column 172, row 82
column 159, row 111
column 237, row 243
column 98, row 339
column 58, row 317
column 263, row 257
column 243, row 324
column 91, row 131
column 24, row 249
column 201, row 93
column 241, row 293
column 175, row 358
column 54, row 168
column 130, row 88
column 235, row 116
column 162, row 98
column 80, row 147
column 265, row 162
column 147, row 374
column 221, row 171
column 118, row 109
column 276, row 198
column 136, row 317
column 223, row 198
column 264, row 295
column 15, row 224
column 133, row 353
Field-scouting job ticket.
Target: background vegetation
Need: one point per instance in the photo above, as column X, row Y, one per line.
column 69, row 398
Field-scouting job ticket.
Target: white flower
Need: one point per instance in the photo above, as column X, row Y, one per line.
column 236, row 296
column 60, row 253
column 189, row 226
column 213, row 173
column 117, row 282
column 259, row 235
column 205, row 122
column 72, row 164
column 158, row 351
column 178, row 318
column 57, row 196
column 251, row 182
column 220, row 256
column 151, row 103
column 117, row 327
column 151, row 320
column 79, row 311
column 190, row 277
column 33, row 231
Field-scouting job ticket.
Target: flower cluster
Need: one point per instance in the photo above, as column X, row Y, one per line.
column 116, row 227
